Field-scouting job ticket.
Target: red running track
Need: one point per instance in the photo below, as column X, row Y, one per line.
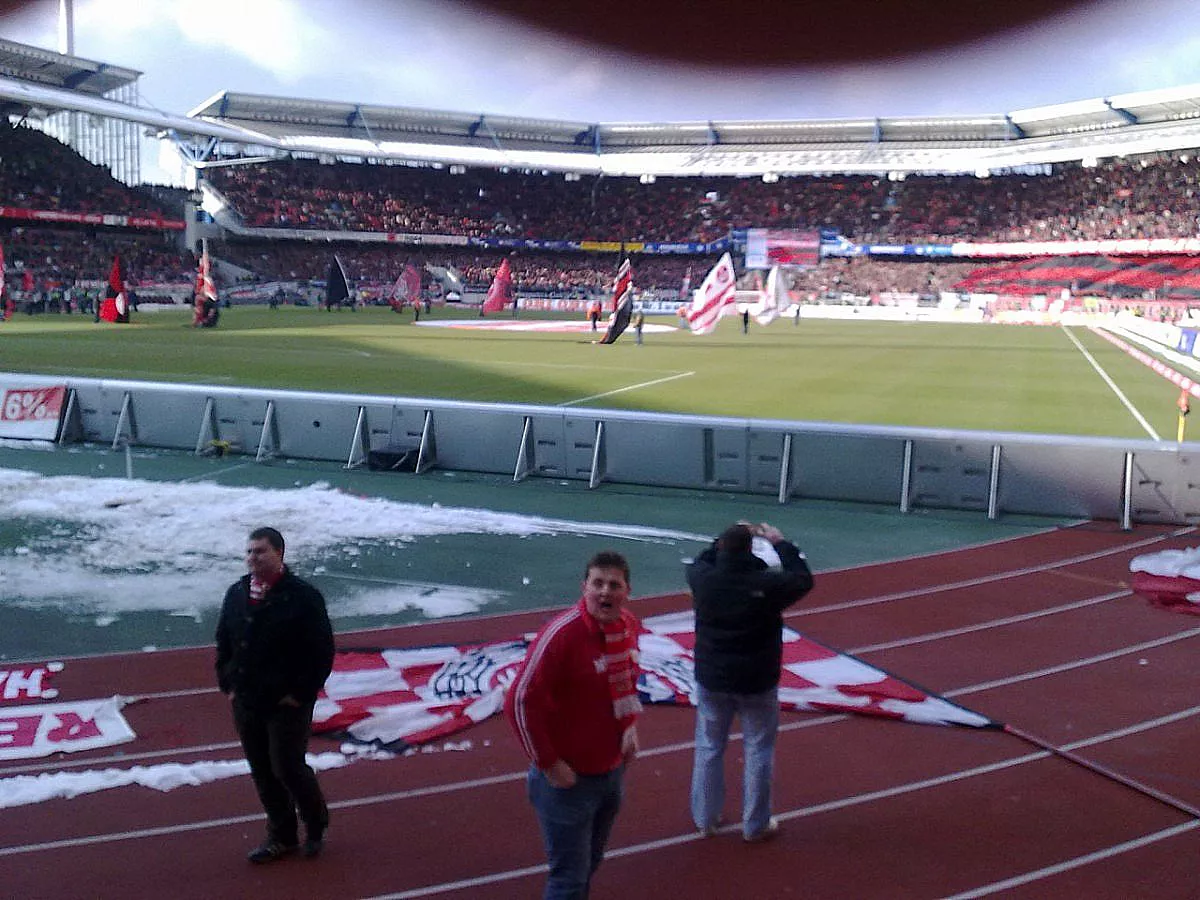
column 1096, row 795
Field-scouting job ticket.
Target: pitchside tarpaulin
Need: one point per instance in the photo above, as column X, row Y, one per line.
column 399, row 698
column 31, row 412
column 31, row 732
column 1168, row 578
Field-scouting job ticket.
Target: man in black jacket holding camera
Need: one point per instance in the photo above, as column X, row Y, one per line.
column 739, row 601
column 274, row 652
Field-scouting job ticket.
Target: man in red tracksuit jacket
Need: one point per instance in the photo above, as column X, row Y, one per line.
column 573, row 707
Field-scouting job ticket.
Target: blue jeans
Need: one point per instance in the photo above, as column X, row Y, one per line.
column 759, row 717
column 575, row 823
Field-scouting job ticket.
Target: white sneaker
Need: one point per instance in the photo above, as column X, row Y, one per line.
column 766, row 834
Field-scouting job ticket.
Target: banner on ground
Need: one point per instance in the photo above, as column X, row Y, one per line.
column 31, row 732
column 31, row 412
column 401, row 698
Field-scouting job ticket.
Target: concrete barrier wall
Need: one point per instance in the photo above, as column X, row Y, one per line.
column 989, row 473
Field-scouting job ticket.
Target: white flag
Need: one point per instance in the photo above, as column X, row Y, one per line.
column 713, row 296
column 767, row 309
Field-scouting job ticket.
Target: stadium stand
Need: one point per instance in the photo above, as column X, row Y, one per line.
column 1154, row 196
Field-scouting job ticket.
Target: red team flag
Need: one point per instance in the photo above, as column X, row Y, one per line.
column 206, row 290
column 500, row 294
column 713, row 297
column 115, row 306
column 622, row 304
column 407, row 289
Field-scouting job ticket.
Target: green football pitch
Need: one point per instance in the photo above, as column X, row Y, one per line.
column 964, row 376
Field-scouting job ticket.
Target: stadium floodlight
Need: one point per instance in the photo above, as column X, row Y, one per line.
column 770, row 177
column 983, row 173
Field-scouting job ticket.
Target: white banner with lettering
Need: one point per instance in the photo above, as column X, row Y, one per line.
column 29, row 732
column 31, row 411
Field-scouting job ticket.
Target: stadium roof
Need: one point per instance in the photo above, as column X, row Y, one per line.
column 1144, row 122
column 235, row 127
column 56, row 70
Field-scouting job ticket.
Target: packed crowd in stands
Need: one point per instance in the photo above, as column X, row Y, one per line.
column 1146, row 197
column 39, row 172
column 1150, row 197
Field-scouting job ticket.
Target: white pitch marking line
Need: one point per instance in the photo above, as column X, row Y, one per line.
column 632, row 387
column 1141, row 420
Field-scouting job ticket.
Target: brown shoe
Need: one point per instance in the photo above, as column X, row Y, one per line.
column 766, row 834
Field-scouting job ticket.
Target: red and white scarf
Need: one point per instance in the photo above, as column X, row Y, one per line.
column 259, row 588
column 620, row 663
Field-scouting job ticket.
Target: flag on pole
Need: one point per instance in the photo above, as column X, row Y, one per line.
column 115, row 306
column 206, row 290
column 767, row 309
column 714, row 296
column 337, row 286
column 407, row 288
column 500, row 294
column 622, row 284
column 685, row 289
column 622, row 304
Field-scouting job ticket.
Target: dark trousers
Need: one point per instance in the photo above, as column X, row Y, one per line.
column 575, row 824
column 275, row 741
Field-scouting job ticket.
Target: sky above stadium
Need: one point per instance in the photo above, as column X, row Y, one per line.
column 445, row 54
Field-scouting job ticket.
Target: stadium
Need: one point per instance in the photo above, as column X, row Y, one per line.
column 953, row 359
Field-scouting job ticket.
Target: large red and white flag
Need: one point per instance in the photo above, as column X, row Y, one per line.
column 814, row 678
column 500, row 294
column 713, row 297
column 206, row 288
column 400, row 698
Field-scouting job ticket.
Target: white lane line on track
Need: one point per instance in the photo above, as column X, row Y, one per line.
column 991, row 623
column 632, row 387
column 831, row 806
column 1141, row 420
column 1076, row 862
column 975, row 582
column 833, row 607
column 691, row 836
column 1074, row 664
column 453, row 787
column 166, row 695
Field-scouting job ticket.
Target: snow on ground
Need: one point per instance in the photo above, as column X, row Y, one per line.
column 108, row 546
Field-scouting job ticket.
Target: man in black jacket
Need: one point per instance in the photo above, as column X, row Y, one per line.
column 274, row 652
column 739, row 601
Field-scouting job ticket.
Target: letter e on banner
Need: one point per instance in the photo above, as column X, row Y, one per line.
column 17, row 734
